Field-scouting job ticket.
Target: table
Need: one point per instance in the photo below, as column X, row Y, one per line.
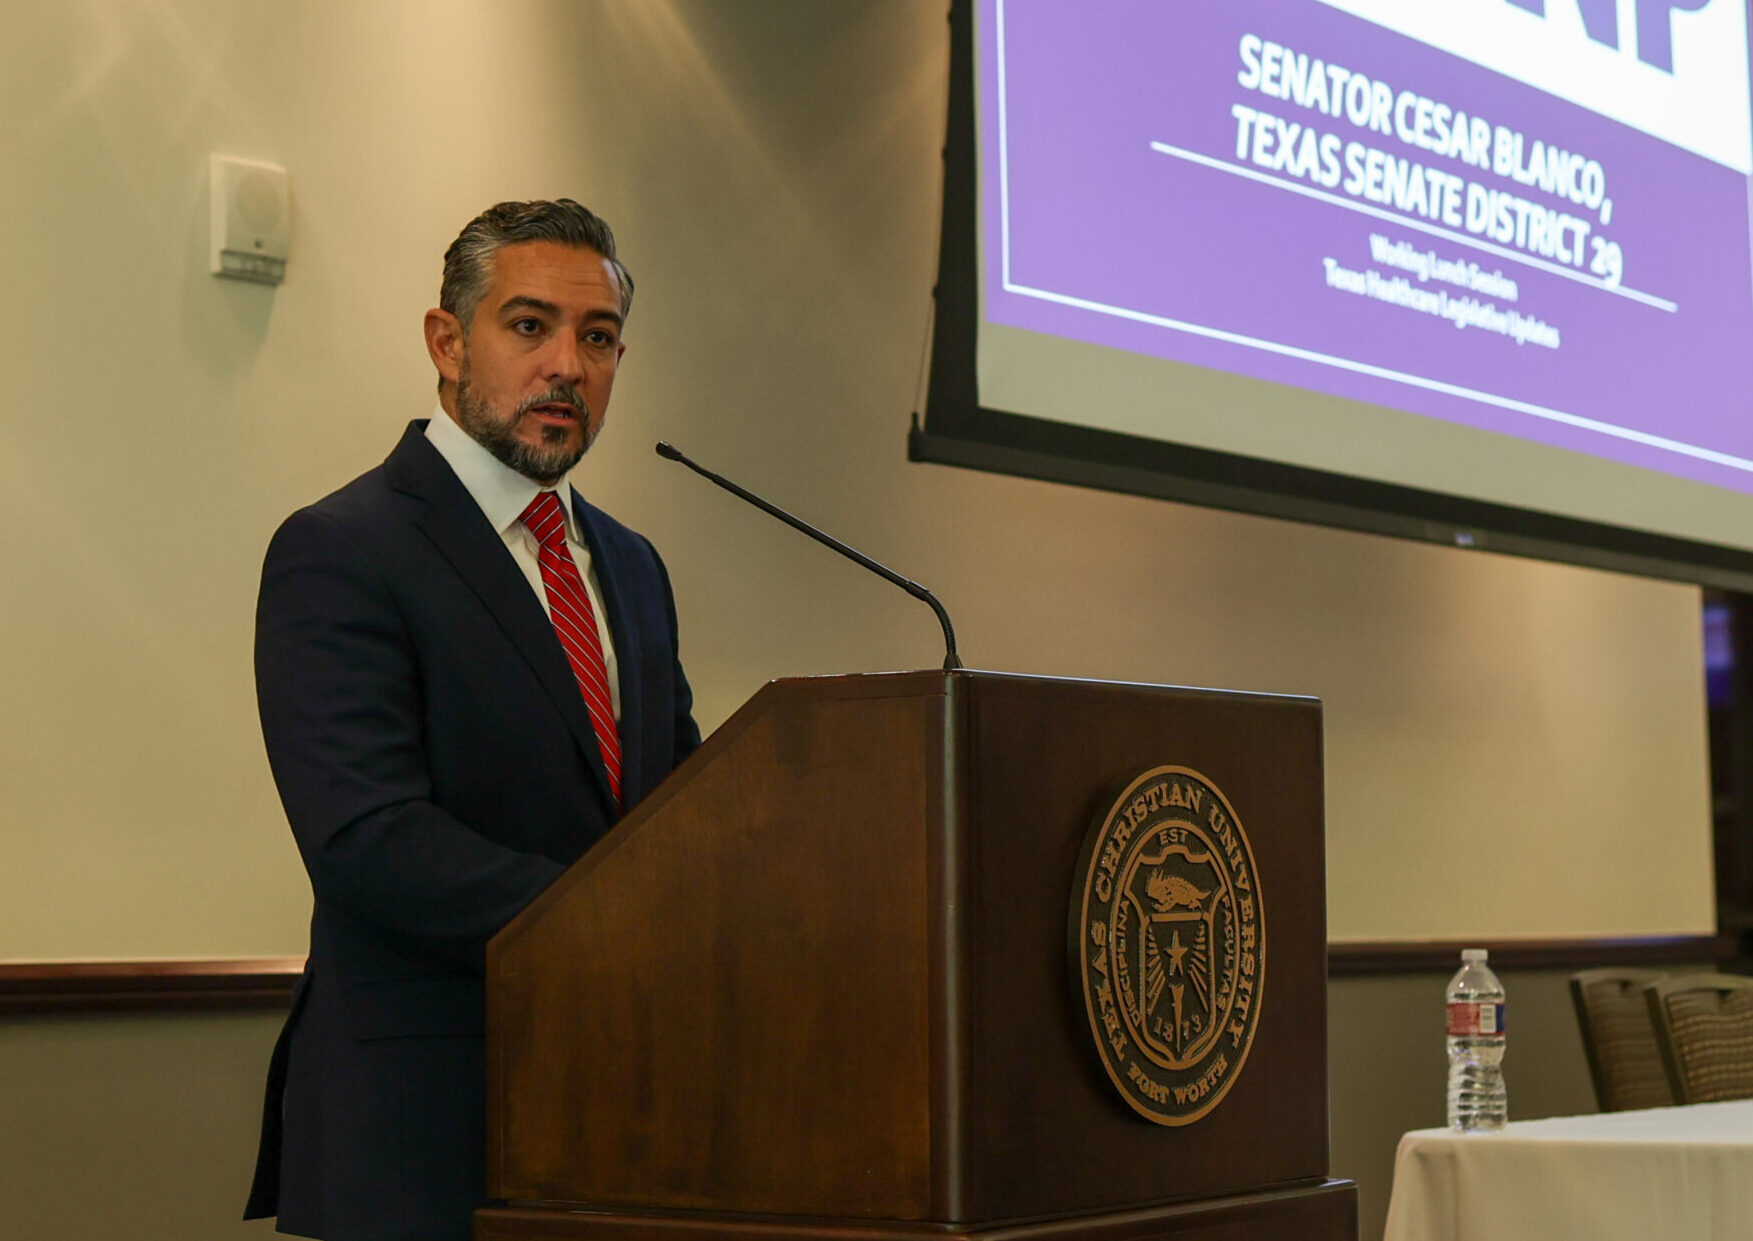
column 1674, row 1173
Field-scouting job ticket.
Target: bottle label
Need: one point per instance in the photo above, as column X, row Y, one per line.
column 1468, row 1017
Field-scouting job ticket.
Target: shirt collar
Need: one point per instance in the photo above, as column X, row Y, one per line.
column 501, row 491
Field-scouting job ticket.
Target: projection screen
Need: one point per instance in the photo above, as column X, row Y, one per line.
column 1469, row 270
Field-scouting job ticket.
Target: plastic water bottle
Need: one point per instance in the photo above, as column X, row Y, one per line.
column 1477, row 1099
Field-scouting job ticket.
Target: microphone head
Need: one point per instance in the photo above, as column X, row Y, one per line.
column 668, row 451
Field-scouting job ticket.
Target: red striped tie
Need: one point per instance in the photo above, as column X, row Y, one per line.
column 575, row 623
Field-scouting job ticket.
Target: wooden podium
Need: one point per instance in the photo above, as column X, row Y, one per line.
column 821, row 984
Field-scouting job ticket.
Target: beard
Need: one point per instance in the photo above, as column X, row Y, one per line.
column 545, row 463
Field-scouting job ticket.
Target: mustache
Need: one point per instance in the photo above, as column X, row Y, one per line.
column 559, row 394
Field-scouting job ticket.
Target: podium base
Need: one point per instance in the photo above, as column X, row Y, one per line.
column 1322, row 1212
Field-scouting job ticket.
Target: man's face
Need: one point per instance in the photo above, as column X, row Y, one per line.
column 534, row 372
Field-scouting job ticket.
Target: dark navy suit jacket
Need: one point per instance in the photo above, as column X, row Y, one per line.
column 438, row 767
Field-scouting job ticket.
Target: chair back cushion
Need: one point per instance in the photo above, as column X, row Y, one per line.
column 1704, row 1026
column 1619, row 1039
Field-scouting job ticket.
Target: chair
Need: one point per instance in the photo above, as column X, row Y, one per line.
column 1704, row 1026
column 1619, row 1039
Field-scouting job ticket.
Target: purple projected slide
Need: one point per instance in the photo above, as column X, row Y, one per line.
column 1298, row 192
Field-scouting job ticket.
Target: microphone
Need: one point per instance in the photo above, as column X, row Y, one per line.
column 951, row 661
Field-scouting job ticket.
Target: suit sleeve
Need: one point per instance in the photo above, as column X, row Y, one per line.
column 338, row 686
column 687, row 732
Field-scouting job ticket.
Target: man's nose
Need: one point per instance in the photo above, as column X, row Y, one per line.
column 565, row 358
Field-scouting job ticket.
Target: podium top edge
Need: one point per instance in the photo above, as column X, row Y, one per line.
column 924, row 679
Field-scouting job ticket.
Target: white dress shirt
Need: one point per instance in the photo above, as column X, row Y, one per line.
column 503, row 494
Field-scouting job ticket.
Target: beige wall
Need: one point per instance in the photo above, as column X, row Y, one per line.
column 773, row 171
column 131, row 1127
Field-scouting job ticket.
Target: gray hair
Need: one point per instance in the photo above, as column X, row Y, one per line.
column 468, row 263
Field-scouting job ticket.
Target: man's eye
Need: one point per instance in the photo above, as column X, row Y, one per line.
column 600, row 338
column 526, row 327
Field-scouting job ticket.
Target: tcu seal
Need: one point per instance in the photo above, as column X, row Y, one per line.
column 1168, row 944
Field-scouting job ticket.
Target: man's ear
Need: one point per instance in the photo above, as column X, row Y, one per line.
column 444, row 341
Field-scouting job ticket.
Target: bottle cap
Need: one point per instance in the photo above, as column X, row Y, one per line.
column 1473, row 954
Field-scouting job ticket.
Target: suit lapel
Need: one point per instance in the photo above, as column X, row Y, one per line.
column 457, row 528
column 612, row 576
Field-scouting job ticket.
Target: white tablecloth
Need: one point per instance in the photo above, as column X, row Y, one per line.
column 1670, row 1173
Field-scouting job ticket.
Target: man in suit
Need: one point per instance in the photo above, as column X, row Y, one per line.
column 466, row 674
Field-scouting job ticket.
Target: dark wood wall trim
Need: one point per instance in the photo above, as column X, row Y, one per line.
column 92, row 986
column 267, row 982
column 1443, row 956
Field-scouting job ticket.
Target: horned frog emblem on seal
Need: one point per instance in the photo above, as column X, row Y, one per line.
column 1168, row 944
